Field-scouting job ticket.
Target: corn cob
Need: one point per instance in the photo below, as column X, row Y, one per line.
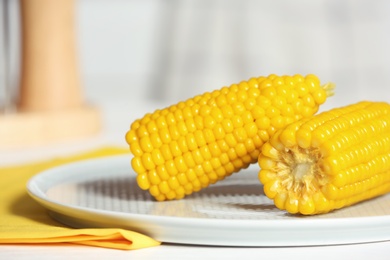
column 330, row 161
column 183, row 148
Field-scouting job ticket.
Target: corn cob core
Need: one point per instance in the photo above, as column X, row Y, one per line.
column 332, row 160
column 183, row 148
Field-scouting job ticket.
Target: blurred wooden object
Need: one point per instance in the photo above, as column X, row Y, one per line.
column 50, row 106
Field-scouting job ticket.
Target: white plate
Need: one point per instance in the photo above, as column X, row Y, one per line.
column 233, row 212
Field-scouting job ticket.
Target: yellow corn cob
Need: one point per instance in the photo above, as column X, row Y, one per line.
column 188, row 146
column 330, row 161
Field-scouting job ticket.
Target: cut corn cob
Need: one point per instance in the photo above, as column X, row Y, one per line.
column 330, row 161
column 188, row 146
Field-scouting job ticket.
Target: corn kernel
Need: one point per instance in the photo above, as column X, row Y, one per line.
column 173, row 183
column 157, row 157
column 171, row 167
column 190, row 123
column 218, row 131
column 162, row 172
column 182, row 179
column 143, row 182
column 164, row 187
column 230, row 140
column 182, row 128
column 241, row 150
column 137, row 165
column 154, row 190
column 223, row 145
column 214, row 150
column 205, row 152
column 136, row 149
column 180, row 164
column 131, row 136
column 237, row 121
column 189, row 160
column 263, row 123
column 257, row 112
column 191, row 142
column 240, row 134
column 147, row 161
column 154, row 177
column 251, row 130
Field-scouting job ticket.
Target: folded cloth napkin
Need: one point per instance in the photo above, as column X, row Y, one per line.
column 22, row 220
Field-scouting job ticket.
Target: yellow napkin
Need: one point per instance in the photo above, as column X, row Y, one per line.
column 22, row 220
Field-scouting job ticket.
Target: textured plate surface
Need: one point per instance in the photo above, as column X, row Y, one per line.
column 232, row 212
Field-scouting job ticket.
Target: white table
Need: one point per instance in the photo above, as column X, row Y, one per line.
column 169, row 251
column 118, row 113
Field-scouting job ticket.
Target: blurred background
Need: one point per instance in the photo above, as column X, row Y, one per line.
column 136, row 56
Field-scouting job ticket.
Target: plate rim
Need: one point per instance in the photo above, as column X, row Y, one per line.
column 293, row 224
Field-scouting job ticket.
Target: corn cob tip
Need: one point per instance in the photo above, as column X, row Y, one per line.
column 332, row 160
column 329, row 88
